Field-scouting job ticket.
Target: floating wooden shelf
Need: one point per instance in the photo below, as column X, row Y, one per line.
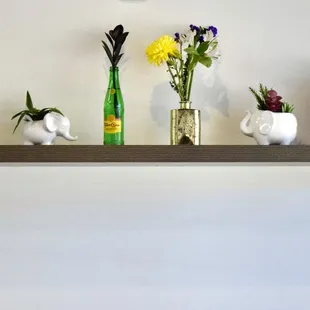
column 154, row 154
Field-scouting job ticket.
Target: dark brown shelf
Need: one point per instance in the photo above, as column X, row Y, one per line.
column 154, row 154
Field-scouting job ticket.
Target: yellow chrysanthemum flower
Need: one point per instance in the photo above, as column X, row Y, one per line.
column 160, row 50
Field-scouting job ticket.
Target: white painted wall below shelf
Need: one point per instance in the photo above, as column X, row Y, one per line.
column 141, row 237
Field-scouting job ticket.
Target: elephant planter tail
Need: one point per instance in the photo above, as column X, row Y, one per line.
column 45, row 131
column 268, row 127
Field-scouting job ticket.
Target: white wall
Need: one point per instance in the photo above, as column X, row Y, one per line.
column 136, row 238
column 54, row 50
column 70, row 240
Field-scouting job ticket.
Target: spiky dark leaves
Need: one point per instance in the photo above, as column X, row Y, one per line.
column 119, row 58
column 117, row 38
column 121, row 39
column 107, row 50
column 116, row 52
column 116, row 32
column 110, row 39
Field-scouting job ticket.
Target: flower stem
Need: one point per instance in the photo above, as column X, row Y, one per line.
column 174, row 81
column 182, row 70
column 189, row 85
column 181, row 94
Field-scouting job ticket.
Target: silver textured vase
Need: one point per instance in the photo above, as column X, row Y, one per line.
column 185, row 125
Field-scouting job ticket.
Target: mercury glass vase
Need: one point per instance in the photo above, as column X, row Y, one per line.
column 185, row 125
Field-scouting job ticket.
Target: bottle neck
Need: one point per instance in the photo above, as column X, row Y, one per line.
column 185, row 104
column 114, row 78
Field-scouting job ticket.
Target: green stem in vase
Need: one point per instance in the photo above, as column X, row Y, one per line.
column 175, row 85
column 189, row 85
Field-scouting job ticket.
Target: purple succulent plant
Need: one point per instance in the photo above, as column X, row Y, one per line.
column 273, row 101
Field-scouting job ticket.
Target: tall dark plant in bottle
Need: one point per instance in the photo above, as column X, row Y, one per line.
column 114, row 104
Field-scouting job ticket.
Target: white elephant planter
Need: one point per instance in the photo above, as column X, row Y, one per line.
column 44, row 132
column 268, row 127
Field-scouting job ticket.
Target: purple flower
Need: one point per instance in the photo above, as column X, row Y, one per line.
column 193, row 28
column 213, row 29
column 201, row 39
column 177, row 37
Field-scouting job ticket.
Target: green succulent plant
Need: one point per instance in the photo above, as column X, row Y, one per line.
column 32, row 112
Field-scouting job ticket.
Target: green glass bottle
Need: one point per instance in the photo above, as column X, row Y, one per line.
column 113, row 111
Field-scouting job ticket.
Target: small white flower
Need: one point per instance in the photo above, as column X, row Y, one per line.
column 188, row 37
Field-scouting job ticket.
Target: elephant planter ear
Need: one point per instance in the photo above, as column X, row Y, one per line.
column 265, row 122
column 51, row 122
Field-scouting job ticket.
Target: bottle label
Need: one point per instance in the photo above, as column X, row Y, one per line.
column 112, row 125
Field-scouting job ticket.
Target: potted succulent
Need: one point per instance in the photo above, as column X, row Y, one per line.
column 273, row 122
column 42, row 126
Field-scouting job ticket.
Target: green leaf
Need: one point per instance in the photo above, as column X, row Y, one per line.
column 259, row 99
column 203, row 47
column 14, row 116
column 40, row 115
column 287, row 108
column 31, row 114
column 193, row 63
column 55, row 110
column 263, row 90
column 191, row 50
column 29, row 103
column 107, row 50
column 206, row 61
column 19, row 120
column 43, row 110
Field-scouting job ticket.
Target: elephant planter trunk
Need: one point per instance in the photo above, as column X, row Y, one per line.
column 44, row 132
column 268, row 127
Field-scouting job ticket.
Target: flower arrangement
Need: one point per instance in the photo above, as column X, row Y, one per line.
column 182, row 54
column 32, row 112
column 268, row 99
